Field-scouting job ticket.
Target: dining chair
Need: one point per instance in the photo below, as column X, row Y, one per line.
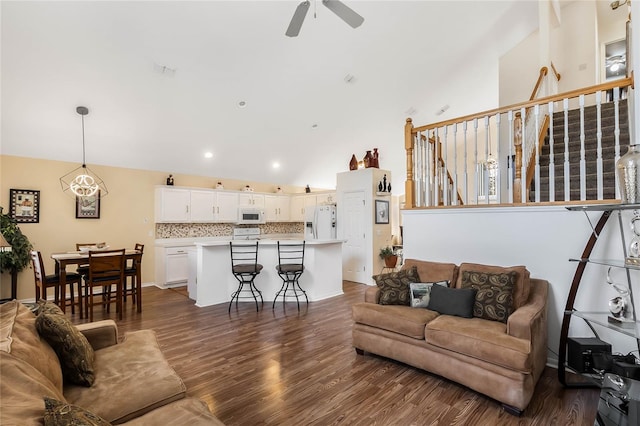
column 106, row 268
column 290, row 267
column 245, row 268
column 44, row 281
column 84, row 268
column 131, row 271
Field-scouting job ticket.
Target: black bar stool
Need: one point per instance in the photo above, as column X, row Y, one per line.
column 290, row 267
column 245, row 268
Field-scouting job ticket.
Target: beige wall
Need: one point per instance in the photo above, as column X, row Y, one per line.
column 126, row 213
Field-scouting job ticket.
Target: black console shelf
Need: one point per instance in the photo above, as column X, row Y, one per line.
column 599, row 318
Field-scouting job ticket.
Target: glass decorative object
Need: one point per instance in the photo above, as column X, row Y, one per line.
column 353, row 164
column 628, row 169
column 634, row 245
column 368, row 160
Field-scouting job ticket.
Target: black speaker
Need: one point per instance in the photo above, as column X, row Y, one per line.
column 580, row 352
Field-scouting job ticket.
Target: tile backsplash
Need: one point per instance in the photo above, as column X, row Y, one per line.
column 196, row 230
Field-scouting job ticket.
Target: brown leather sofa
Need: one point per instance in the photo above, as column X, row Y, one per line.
column 134, row 384
column 502, row 361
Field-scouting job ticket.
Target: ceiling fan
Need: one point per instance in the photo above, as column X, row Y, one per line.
column 343, row 11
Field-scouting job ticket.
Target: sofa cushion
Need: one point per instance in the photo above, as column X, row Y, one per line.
column 187, row 411
column 394, row 286
column 398, row 319
column 431, row 272
column 18, row 336
column 73, row 349
column 22, row 388
column 481, row 339
column 522, row 285
column 135, row 364
column 494, row 299
column 59, row 413
column 452, row 301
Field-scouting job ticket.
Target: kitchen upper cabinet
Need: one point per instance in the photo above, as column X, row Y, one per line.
column 226, row 207
column 299, row 204
column 203, row 206
column 172, row 205
column 276, row 208
column 328, row 198
column 251, row 199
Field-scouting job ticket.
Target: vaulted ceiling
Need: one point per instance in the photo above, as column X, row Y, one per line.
column 164, row 80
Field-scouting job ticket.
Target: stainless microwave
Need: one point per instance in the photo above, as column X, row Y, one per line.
column 250, row 215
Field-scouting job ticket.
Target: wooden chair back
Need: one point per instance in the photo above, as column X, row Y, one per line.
column 38, row 273
column 106, row 266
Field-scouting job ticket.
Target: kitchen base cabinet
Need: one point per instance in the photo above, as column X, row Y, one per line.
column 172, row 266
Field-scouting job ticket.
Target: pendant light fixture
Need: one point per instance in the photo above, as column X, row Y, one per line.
column 82, row 182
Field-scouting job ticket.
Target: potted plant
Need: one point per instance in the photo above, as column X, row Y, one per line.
column 19, row 257
column 389, row 256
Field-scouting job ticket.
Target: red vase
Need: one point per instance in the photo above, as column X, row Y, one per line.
column 375, row 158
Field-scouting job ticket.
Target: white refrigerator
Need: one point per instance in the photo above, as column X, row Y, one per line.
column 320, row 223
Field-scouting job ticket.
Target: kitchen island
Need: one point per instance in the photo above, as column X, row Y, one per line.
column 322, row 277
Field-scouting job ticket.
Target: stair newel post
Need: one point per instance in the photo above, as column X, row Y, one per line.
column 517, row 145
column 409, row 185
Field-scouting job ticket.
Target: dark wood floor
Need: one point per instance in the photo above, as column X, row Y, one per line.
column 281, row 367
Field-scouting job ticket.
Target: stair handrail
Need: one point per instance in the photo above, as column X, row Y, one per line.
column 411, row 132
column 543, row 73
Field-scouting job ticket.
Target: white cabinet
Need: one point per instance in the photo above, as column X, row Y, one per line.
column 203, row 206
column 172, row 205
column 172, row 266
column 251, row 199
column 299, row 205
column 328, row 198
column 276, row 208
column 226, row 207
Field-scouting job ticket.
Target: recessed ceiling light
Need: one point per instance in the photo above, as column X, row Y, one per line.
column 349, row 79
column 208, row 155
column 314, row 126
column 242, row 104
column 275, row 165
column 442, row 109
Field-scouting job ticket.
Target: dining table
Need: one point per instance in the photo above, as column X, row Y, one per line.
column 67, row 258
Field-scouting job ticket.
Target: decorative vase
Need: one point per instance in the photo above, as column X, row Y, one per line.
column 628, row 168
column 367, row 160
column 353, row 164
column 307, row 189
column 375, row 158
column 384, row 183
column 380, row 188
column 219, row 185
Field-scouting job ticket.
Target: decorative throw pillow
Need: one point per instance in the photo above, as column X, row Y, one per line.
column 394, row 286
column 452, row 301
column 420, row 293
column 58, row 413
column 73, row 349
column 494, row 299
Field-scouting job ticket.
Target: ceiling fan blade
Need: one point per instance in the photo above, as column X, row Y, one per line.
column 298, row 19
column 344, row 12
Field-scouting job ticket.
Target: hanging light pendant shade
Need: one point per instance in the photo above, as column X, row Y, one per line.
column 82, row 182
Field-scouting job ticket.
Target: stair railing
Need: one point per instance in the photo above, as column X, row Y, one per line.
column 464, row 139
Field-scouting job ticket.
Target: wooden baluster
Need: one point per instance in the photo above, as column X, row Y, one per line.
column 409, row 185
column 517, row 142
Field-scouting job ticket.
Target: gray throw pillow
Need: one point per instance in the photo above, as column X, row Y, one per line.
column 420, row 293
column 452, row 301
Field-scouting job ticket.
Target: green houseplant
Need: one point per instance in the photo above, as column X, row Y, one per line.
column 19, row 257
column 389, row 256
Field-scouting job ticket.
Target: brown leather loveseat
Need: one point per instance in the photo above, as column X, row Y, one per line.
column 502, row 360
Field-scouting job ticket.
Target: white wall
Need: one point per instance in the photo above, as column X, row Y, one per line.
column 541, row 238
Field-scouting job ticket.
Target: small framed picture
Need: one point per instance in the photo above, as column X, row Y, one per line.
column 382, row 211
column 25, row 205
column 88, row 207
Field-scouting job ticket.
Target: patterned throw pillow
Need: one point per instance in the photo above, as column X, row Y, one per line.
column 58, row 413
column 73, row 349
column 494, row 299
column 394, row 286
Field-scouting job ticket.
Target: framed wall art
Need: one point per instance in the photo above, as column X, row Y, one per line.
column 25, row 205
column 88, row 207
column 382, row 212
